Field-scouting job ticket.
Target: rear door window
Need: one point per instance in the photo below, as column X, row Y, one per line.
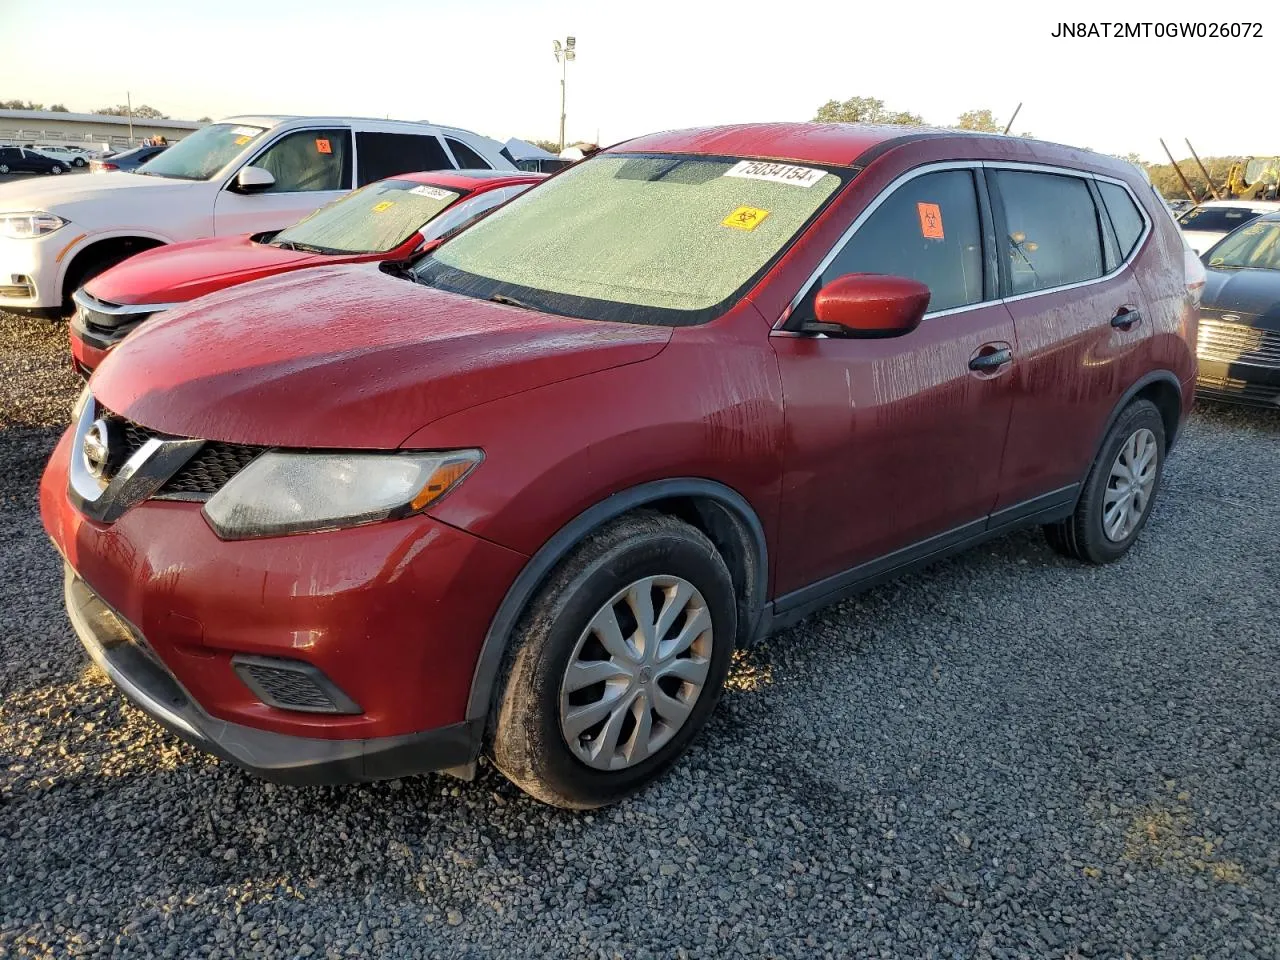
column 385, row 155
column 467, row 158
column 1126, row 220
column 308, row 160
column 929, row 229
column 1052, row 234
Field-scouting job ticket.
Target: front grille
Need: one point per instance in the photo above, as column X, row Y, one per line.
column 209, row 470
column 1237, row 343
column 106, row 322
column 292, row 685
column 200, row 477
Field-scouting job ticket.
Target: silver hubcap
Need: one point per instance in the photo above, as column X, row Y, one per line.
column 636, row 673
column 1133, row 474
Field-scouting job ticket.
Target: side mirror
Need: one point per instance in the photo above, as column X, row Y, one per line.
column 252, row 180
column 869, row 305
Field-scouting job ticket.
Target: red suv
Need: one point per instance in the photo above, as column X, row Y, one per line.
column 527, row 497
column 387, row 220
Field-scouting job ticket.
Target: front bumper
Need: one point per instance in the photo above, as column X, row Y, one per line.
column 394, row 614
column 119, row 650
column 1254, row 385
column 35, row 261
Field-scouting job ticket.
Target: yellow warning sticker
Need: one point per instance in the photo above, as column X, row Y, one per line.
column 384, row 205
column 745, row 218
column 241, row 141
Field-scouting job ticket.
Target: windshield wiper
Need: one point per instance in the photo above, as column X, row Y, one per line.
column 301, row 247
column 511, row 301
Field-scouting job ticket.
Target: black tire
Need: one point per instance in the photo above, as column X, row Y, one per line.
column 55, row 169
column 79, row 161
column 4, row 168
column 87, row 266
column 1081, row 536
column 527, row 743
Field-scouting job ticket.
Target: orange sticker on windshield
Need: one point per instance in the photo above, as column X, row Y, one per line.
column 323, row 146
column 930, row 221
column 745, row 218
column 384, row 205
column 241, row 141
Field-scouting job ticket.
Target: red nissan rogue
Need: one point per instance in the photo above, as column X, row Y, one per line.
column 526, row 497
column 390, row 219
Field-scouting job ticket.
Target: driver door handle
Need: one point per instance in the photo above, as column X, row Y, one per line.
column 986, row 362
column 1127, row 318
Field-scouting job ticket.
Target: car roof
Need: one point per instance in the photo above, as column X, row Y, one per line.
column 1248, row 204
column 470, row 179
column 857, row 144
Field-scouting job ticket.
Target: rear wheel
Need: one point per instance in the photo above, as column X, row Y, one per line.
column 616, row 665
column 1119, row 492
column 4, row 168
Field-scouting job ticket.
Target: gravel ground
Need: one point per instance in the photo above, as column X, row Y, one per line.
column 1009, row 755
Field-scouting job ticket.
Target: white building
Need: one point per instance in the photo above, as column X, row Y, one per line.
column 86, row 129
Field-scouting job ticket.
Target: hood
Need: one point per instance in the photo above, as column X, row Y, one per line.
column 1254, row 295
column 184, row 271
column 346, row 357
column 79, row 198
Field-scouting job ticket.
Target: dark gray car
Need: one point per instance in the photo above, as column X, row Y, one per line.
column 128, row 161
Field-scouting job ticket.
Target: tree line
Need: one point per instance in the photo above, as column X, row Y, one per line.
column 140, row 112
column 1163, row 176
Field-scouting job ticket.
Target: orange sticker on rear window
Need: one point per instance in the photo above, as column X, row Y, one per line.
column 323, row 146
column 930, row 221
column 384, row 205
column 241, row 141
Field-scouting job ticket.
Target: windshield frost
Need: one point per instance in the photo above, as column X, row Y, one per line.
column 1256, row 246
column 204, row 153
column 374, row 219
column 635, row 238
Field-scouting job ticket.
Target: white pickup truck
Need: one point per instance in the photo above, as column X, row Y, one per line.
column 240, row 175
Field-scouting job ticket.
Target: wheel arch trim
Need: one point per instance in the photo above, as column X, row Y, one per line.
column 1155, row 376
column 536, row 570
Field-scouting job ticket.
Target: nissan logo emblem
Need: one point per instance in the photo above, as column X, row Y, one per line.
column 97, row 449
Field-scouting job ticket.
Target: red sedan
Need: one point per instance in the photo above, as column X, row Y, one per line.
column 528, row 496
column 387, row 220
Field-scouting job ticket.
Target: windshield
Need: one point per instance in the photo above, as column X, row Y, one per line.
column 374, row 219
column 1221, row 219
column 1266, row 169
column 1256, row 246
column 204, row 153
column 662, row 239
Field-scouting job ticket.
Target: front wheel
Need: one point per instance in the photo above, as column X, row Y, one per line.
column 4, row 168
column 617, row 664
column 79, row 161
column 1118, row 494
column 55, row 169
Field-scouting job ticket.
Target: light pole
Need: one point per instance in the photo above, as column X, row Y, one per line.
column 563, row 55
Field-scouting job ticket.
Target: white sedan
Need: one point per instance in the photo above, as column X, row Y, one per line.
column 1207, row 223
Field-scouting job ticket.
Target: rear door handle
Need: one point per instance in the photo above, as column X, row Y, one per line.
column 1127, row 318
column 985, row 362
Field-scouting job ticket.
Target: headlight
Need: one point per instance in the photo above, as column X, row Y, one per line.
column 31, row 223
column 280, row 493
